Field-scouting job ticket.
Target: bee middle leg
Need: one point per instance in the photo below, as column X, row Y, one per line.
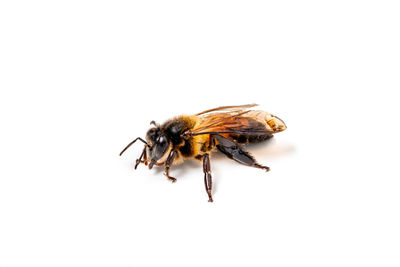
column 235, row 152
column 207, row 176
column 168, row 165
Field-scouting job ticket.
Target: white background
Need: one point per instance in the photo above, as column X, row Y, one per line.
column 80, row 79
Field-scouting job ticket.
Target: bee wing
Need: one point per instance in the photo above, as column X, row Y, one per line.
column 239, row 122
column 271, row 122
column 228, row 108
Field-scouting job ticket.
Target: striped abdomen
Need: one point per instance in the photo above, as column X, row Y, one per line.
column 253, row 132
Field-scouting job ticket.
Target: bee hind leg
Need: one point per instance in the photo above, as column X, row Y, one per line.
column 168, row 165
column 235, row 152
column 207, row 176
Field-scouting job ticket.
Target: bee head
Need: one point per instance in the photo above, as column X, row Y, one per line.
column 159, row 145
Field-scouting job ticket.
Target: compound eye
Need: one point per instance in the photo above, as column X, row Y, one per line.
column 162, row 140
column 161, row 146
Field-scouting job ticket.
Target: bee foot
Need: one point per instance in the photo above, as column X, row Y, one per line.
column 137, row 164
column 261, row 167
column 172, row 179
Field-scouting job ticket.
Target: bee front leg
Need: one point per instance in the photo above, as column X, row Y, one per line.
column 142, row 158
column 168, row 164
column 207, row 176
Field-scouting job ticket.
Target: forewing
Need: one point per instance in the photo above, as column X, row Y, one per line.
column 228, row 108
column 239, row 122
column 272, row 122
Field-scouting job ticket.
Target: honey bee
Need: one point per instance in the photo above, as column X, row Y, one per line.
column 195, row 136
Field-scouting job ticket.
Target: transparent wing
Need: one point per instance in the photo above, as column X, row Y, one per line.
column 228, row 108
column 238, row 122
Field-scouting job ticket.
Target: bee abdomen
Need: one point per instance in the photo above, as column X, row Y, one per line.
column 254, row 132
column 250, row 138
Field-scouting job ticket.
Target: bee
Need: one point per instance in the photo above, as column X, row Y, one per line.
column 224, row 128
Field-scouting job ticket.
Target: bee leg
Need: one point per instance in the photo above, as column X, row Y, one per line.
column 207, row 176
column 168, row 164
column 142, row 158
column 235, row 152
